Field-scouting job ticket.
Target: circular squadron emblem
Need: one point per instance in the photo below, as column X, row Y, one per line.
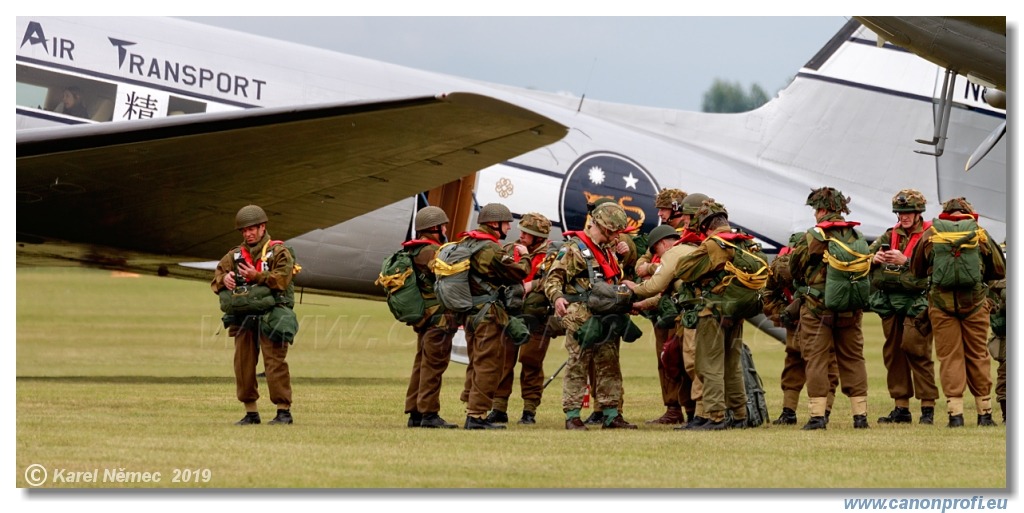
column 608, row 175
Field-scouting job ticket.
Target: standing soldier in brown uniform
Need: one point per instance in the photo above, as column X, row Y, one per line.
column 669, row 203
column 259, row 264
column 782, row 307
column 719, row 338
column 435, row 331
column 584, row 267
column 534, row 229
column 489, row 269
column 960, row 257
column 899, row 299
column 997, row 344
column 822, row 332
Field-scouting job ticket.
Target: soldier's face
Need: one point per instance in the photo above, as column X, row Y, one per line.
column 252, row 234
column 664, row 214
column 907, row 219
column 526, row 239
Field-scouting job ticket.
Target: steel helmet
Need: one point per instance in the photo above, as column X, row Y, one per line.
column 829, row 199
column 610, row 216
column 662, row 231
column 249, row 215
column 710, row 209
column 691, row 204
column 494, row 213
column 957, row 205
column 908, row 200
column 429, row 217
column 670, row 199
column 535, row 224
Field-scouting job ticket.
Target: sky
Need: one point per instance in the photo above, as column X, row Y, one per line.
column 655, row 61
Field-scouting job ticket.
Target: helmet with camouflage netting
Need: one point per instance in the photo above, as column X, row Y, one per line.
column 610, row 216
column 535, row 224
column 957, row 205
column 710, row 209
column 908, row 200
column 670, row 199
column 429, row 217
column 249, row 215
column 829, row 199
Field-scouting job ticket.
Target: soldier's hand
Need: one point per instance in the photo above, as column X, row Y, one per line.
column 229, row 280
column 629, row 284
column 560, row 306
column 622, row 248
column 247, row 271
column 879, row 257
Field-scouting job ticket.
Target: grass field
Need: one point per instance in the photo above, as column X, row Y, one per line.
column 133, row 374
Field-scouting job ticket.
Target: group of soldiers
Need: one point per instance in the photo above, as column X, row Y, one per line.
column 690, row 276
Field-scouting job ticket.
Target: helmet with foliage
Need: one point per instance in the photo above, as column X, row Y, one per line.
column 429, row 217
column 957, row 205
column 249, row 215
column 708, row 210
column 610, row 216
column 908, row 200
column 829, row 199
column 662, row 231
column 671, row 199
column 494, row 213
column 535, row 224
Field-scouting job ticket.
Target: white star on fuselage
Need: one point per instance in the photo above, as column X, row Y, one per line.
column 630, row 181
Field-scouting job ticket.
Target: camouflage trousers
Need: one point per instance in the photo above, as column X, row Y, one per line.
column 607, row 386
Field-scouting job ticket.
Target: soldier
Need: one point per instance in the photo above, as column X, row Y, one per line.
column 959, row 258
column 900, row 301
column 997, row 344
column 669, row 203
column 435, row 331
column 719, row 336
column 585, row 267
column 691, row 391
column 255, row 277
column 534, row 229
column 823, row 332
column 782, row 307
column 490, row 268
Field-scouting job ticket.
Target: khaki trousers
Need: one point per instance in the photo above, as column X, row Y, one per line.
column 433, row 352
column 964, row 362
column 249, row 343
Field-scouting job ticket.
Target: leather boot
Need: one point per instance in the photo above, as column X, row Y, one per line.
column 415, row 418
column 595, row 418
column 575, row 424
column 475, row 423
column 815, row 423
column 956, row 421
column 282, row 417
column 1002, row 408
column 828, row 414
column 927, row 415
column 252, row 417
column 528, row 417
column 985, row 419
column 433, row 420
column 786, row 418
column 618, row 423
column 711, row 425
column 497, row 417
column 898, row 415
column 694, row 423
column 672, row 415
column 860, row 422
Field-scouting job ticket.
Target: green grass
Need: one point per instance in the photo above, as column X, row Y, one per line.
column 135, row 374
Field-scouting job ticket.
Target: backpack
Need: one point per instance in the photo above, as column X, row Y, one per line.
column 757, row 407
column 847, row 279
column 956, row 257
column 398, row 278
column 740, row 286
column 451, row 266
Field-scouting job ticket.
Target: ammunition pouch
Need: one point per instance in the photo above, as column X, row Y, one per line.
column 917, row 335
column 790, row 315
column 516, row 331
column 667, row 312
column 512, row 298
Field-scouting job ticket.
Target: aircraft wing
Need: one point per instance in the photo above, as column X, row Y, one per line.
column 172, row 186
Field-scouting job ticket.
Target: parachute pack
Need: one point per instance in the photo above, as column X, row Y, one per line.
column 847, row 282
column 739, row 291
column 451, row 266
column 398, row 278
column 956, row 257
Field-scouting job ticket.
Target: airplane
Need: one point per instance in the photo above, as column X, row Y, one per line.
column 341, row 151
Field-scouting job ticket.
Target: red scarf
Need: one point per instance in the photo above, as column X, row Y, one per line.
column 837, row 224
column 419, row 242
column 608, row 262
column 261, row 265
column 895, row 242
column 534, row 264
column 477, row 234
column 956, row 217
column 731, row 236
column 690, row 237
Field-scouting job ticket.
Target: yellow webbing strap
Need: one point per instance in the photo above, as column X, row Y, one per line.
column 754, row 280
column 969, row 239
column 860, row 265
column 263, row 256
column 393, row 282
column 442, row 268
